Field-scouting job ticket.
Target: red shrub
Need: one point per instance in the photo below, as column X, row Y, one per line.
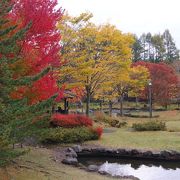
column 70, row 120
column 98, row 131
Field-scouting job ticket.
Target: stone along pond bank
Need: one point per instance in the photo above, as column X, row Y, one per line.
column 77, row 152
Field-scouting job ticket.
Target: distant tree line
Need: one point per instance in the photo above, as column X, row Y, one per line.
column 155, row 48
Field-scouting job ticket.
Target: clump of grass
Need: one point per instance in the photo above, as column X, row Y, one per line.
column 7, row 155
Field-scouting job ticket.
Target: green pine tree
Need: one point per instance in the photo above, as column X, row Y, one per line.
column 15, row 115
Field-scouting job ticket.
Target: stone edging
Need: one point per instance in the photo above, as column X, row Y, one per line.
column 71, row 159
column 77, row 150
column 130, row 153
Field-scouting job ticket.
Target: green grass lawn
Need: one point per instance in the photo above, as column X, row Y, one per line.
column 122, row 138
column 38, row 165
column 149, row 140
column 173, row 126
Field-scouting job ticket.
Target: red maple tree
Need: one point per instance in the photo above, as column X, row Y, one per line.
column 40, row 46
column 164, row 82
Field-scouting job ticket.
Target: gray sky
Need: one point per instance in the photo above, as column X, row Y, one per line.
column 134, row 16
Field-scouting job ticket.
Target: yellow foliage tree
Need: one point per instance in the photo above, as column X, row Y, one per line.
column 131, row 81
column 91, row 55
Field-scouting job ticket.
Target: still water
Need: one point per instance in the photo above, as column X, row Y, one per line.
column 144, row 170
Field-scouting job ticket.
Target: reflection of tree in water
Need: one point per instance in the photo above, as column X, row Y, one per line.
column 134, row 163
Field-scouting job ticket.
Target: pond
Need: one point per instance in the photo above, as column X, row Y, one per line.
column 142, row 169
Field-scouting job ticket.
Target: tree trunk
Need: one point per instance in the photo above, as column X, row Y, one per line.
column 65, row 105
column 100, row 104
column 87, row 100
column 166, row 106
column 82, row 110
column 121, row 105
column 136, row 102
column 110, row 108
column 52, row 110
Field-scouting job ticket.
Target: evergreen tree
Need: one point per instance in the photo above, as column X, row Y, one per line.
column 149, row 46
column 17, row 117
column 159, row 49
column 137, row 49
column 155, row 48
column 172, row 53
column 144, row 54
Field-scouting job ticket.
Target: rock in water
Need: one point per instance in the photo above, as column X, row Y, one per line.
column 93, row 168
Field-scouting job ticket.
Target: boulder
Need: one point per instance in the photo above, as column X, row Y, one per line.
column 147, row 154
column 77, row 148
column 103, row 172
column 165, row 154
column 71, row 153
column 134, row 152
column 122, row 151
column 70, row 161
column 93, row 168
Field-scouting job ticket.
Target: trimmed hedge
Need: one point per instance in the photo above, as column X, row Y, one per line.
column 70, row 120
column 150, row 126
column 67, row 135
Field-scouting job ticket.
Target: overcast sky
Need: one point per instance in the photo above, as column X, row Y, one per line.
column 134, row 16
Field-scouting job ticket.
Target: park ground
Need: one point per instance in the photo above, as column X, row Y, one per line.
column 40, row 162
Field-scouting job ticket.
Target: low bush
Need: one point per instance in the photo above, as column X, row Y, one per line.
column 117, row 124
column 150, row 126
column 102, row 117
column 98, row 131
column 67, row 135
column 112, row 121
column 70, row 120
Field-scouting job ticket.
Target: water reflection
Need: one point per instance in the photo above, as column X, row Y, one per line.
column 144, row 170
